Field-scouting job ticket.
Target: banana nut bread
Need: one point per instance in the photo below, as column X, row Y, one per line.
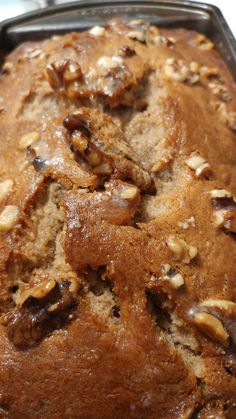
column 118, row 227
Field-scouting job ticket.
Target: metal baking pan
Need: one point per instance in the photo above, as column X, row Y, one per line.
column 82, row 14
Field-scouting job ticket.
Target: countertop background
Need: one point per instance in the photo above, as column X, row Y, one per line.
column 10, row 8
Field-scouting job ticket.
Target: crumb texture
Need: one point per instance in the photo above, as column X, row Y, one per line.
column 117, row 227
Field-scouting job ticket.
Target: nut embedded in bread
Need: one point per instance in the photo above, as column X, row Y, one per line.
column 117, row 226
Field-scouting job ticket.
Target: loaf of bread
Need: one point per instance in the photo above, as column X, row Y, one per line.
column 118, row 227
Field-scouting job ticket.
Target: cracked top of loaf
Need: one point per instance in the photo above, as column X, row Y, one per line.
column 118, row 227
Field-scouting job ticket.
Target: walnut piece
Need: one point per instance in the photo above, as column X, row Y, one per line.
column 137, row 35
column 204, row 43
column 220, row 90
column 220, row 193
column 224, row 204
column 226, row 306
column 74, row 287
column 8, row 217
column 227, row 116
column 51, row 307
column 6, row 187
column 181, row 250
column 38, row 291
column 129, row 192
column 34, row 53
column 226, row 219
column 187, row 223
column 28, row 139
column 179, row 70
column 209, row 71
column 174, row 278
column 66, row 77
column 199, row 165
column 110, row 62
column 139, row 30
column 211, row 326
column 221, row 317
column 167, row 41
column 7, row 67
column 97, row 31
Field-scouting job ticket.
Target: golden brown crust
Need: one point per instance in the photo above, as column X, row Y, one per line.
column 117, row 227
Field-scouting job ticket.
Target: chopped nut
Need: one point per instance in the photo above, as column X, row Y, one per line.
column 181, row 250
column 34, row 53
column 140, row 23
column 97, row 31
column 220, row 193
column 34, row 320
column 6, row 187
column 180, row 71
column 220, row 90
column 167, row 41
column 194, row 66
column 209, row 71
column 73, row 287
column 158, row 166
column 110, row 62
column 130, row 192
column 199, row 165
column 226, row 219
column 137, row 35
column 139, row 30
column 79, row 141
column 226, row 306
column 7, row 67
column 204, row 43
column 228, row 117
column 164, row 162
column 211, row 326
column 231, row 120
column 66, row 76
column 52, row 75
column 8, row 217
column 28, row 139
column 72, row 72
column 224, row 204
column 175, row 278
column 187, row 223
column 38, row 291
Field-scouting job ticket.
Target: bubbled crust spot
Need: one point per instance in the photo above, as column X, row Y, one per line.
column 117, row 219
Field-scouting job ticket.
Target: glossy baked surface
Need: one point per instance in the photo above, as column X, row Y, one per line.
column 118, row 222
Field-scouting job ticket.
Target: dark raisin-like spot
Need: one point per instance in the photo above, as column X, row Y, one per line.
column 128, row 51
column 116, row 311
